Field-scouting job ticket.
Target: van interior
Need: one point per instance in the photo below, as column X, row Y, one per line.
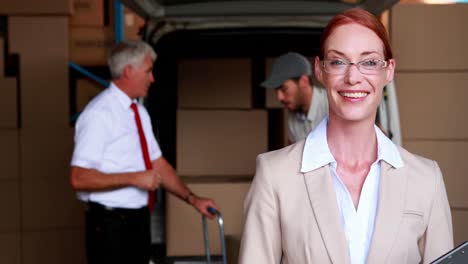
column 204, row 32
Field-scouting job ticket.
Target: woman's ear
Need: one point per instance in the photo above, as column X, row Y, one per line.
column 390, row 71
column 318, row 70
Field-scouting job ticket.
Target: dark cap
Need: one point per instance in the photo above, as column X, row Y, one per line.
column 287, row 66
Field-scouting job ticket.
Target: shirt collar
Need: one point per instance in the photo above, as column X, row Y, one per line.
column 122, row 97
column 317, row 153
column 387, row 150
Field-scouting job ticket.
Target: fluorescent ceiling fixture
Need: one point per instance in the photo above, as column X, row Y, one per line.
column 438, row 1
column 444, row 1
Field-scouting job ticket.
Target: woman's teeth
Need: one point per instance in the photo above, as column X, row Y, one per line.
column 354, row 95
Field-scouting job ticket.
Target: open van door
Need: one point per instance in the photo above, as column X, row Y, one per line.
column 170, row 9
column 190, row 14
column 166, row 16
column 229, row 33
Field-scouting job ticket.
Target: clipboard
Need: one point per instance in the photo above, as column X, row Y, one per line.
column 458, row 255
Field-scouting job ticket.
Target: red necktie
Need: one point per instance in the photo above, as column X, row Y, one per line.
column 144, row 149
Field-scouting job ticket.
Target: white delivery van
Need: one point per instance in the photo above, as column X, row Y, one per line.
column 212, row 57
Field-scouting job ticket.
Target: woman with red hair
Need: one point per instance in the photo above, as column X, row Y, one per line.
column 347, row 194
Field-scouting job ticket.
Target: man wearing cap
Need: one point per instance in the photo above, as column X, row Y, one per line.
column 291, row 76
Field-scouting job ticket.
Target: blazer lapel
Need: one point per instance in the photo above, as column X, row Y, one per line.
column 389, row 212
column 325, row 206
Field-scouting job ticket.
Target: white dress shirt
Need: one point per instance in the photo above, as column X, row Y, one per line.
column 106, row 139
column 358, row 224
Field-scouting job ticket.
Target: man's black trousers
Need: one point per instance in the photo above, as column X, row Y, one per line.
column 116, row 235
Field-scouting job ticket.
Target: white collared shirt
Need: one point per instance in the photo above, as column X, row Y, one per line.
column 106, row 139
column 358, row 225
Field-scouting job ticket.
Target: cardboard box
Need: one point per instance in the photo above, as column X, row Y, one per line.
column 90, row 46
column 272, row 99
column 214, row 83
column 85, row 91
column 10, row 203
column 432, row 105
column 430, row 37
column 48, row 202
column 87, row 13
column 46, row 154
column 451, row 156
column 220, row 142
column 34, row 7
column 9, row 154
column 9, row 105
column 184, row 223
column 55, row 165
column 10, row 247
column 460, row 230
column 65, row 245
column 42, row 45
column 132, row 24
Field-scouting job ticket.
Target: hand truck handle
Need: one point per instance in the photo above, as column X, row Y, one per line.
column 221, row 235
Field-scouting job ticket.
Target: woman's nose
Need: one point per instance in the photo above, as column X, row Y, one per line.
column 353, row 75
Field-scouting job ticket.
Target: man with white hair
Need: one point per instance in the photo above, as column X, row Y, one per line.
column 117, row 162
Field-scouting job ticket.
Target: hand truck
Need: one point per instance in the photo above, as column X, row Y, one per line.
column 221, row 235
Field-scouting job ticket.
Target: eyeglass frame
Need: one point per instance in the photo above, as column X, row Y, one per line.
column 348, row 65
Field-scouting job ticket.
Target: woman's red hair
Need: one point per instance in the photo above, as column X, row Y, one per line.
column 363, row 18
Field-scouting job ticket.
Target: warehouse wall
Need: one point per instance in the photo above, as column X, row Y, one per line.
column 430, row 43
column 42, row 222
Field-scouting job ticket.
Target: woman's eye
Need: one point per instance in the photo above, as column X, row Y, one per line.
column 337, row 63
column 369, row 63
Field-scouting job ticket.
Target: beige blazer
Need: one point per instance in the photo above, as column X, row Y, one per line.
column 293, row 217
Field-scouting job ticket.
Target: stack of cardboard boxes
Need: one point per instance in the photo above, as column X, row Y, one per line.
column 43, row 220
column 92, row 36
column 219, row 135
column 90, row 40
column 92, row 30
column 432, row 83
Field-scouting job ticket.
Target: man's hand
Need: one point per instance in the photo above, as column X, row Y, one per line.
column 202, row 204
column 172, row 183
column 148, row 180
